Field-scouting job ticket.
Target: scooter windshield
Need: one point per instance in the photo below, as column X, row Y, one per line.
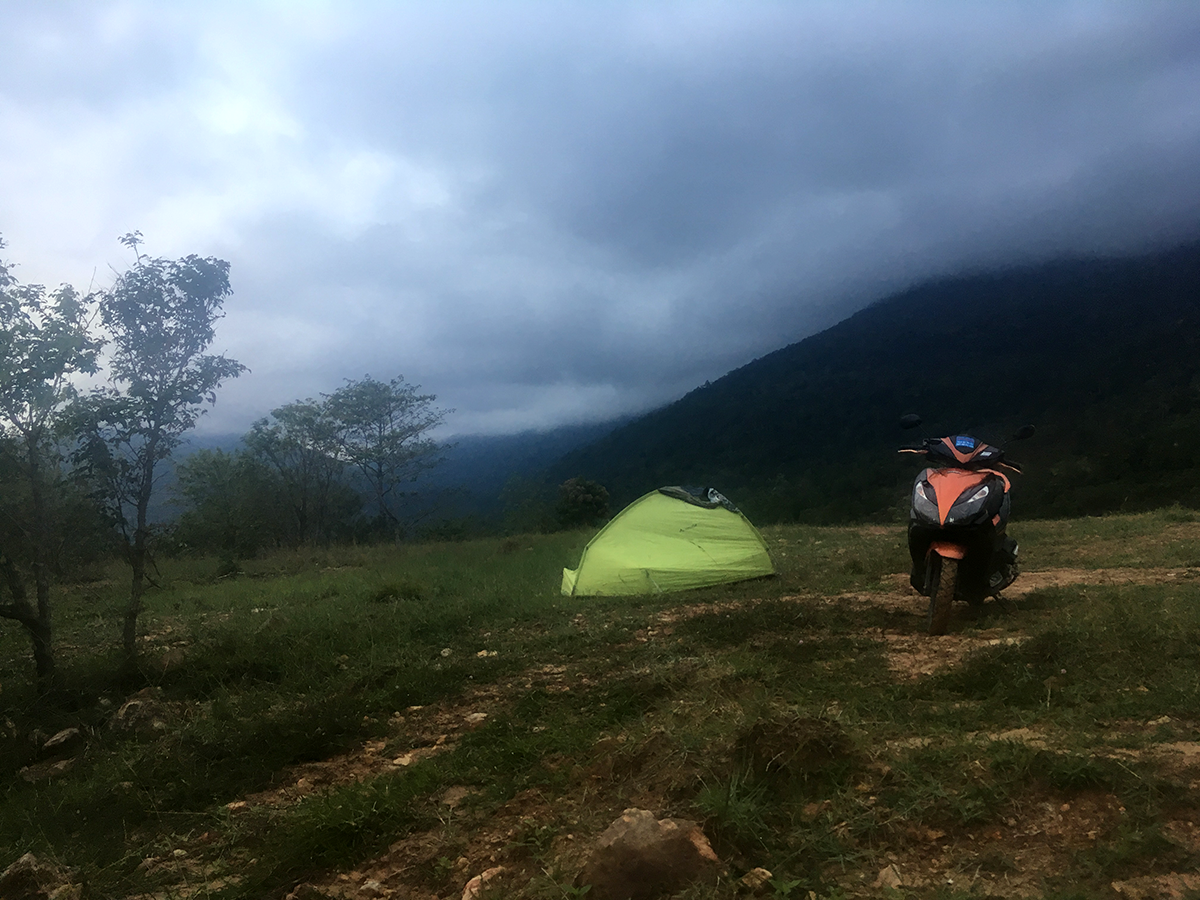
column 963, row 450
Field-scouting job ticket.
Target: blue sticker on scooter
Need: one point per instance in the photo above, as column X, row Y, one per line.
column 964, row 442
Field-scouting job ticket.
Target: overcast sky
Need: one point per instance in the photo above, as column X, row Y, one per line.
column 563, row 211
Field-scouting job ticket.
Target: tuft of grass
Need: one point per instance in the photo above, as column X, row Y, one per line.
column 736, row 811
column 401, row 591
column 793, row 752
column 324, row 830
column 1136, row 848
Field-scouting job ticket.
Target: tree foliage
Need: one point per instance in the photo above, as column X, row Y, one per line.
column 161, row 316
column 235, row 504
column 351, row 450
column 44, row 341
column 306, row 473
column 300, row 443
column 581, row 503
column 382, row 429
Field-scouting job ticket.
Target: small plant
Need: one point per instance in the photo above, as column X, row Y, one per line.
column 736, row 809
column 228, row 568
column 554, row 884
column 535, row 837
column 574, row 892
column 392, row 592
column 783, row 888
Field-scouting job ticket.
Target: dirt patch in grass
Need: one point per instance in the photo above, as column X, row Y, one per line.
column 1033, row 581
column 1179, row 760
column 1159, row 887
column 1009, row 858
column 415, row 734
column 912, row 654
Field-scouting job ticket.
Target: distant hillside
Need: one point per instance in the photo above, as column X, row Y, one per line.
column 1102, row 355
column 477, row 470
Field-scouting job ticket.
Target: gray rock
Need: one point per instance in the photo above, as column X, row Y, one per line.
column 640, row 858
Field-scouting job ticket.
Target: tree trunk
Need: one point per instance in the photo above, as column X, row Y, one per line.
column 132, row 611
column 38, row 629
column 137, row 556
column 43, row 654
column 137, row 587
column 41, row 631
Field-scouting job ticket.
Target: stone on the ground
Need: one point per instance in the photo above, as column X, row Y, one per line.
column 639, row 857
column 66, row 741
column 143, row 713
column 31, row 879
column 889, row 877
column 756, row 880
column 476, row 885
column 44, row 771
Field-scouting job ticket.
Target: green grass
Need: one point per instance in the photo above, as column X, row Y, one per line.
column 1109, row 652
column 1167, row 537
column 766, row 710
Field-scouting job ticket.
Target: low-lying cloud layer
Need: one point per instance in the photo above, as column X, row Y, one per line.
column 554, row 212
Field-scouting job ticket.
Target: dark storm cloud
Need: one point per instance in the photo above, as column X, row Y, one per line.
column 548, row 212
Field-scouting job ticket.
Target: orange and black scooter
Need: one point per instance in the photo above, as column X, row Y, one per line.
column 956, row 523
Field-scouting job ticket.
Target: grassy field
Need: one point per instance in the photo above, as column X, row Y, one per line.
column 389, row 721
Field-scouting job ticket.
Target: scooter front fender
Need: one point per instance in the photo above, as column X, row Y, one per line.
column 947, row 550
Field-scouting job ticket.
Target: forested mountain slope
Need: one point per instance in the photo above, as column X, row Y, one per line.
column 1102, row 355
column 482, row 475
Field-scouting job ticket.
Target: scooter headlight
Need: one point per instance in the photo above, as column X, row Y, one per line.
column 969, row 508
column 924, row 502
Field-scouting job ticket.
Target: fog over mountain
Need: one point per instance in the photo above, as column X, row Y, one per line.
column 560, row 213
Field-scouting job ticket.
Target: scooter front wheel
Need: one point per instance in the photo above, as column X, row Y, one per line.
column 943, row 582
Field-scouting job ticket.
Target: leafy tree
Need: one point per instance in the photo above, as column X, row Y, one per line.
column 300, row 442
column 236, row 504
column 378, row 429
column 581, row 503
column 44, row 340
column 161, row 316
column 382, row 427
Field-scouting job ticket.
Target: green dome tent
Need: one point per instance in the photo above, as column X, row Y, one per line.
column 671, row 539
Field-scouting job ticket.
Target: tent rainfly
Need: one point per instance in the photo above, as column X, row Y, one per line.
column 671, row 539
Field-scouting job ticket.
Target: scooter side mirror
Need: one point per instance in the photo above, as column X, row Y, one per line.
column 1023, row 433
column 912, row 420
